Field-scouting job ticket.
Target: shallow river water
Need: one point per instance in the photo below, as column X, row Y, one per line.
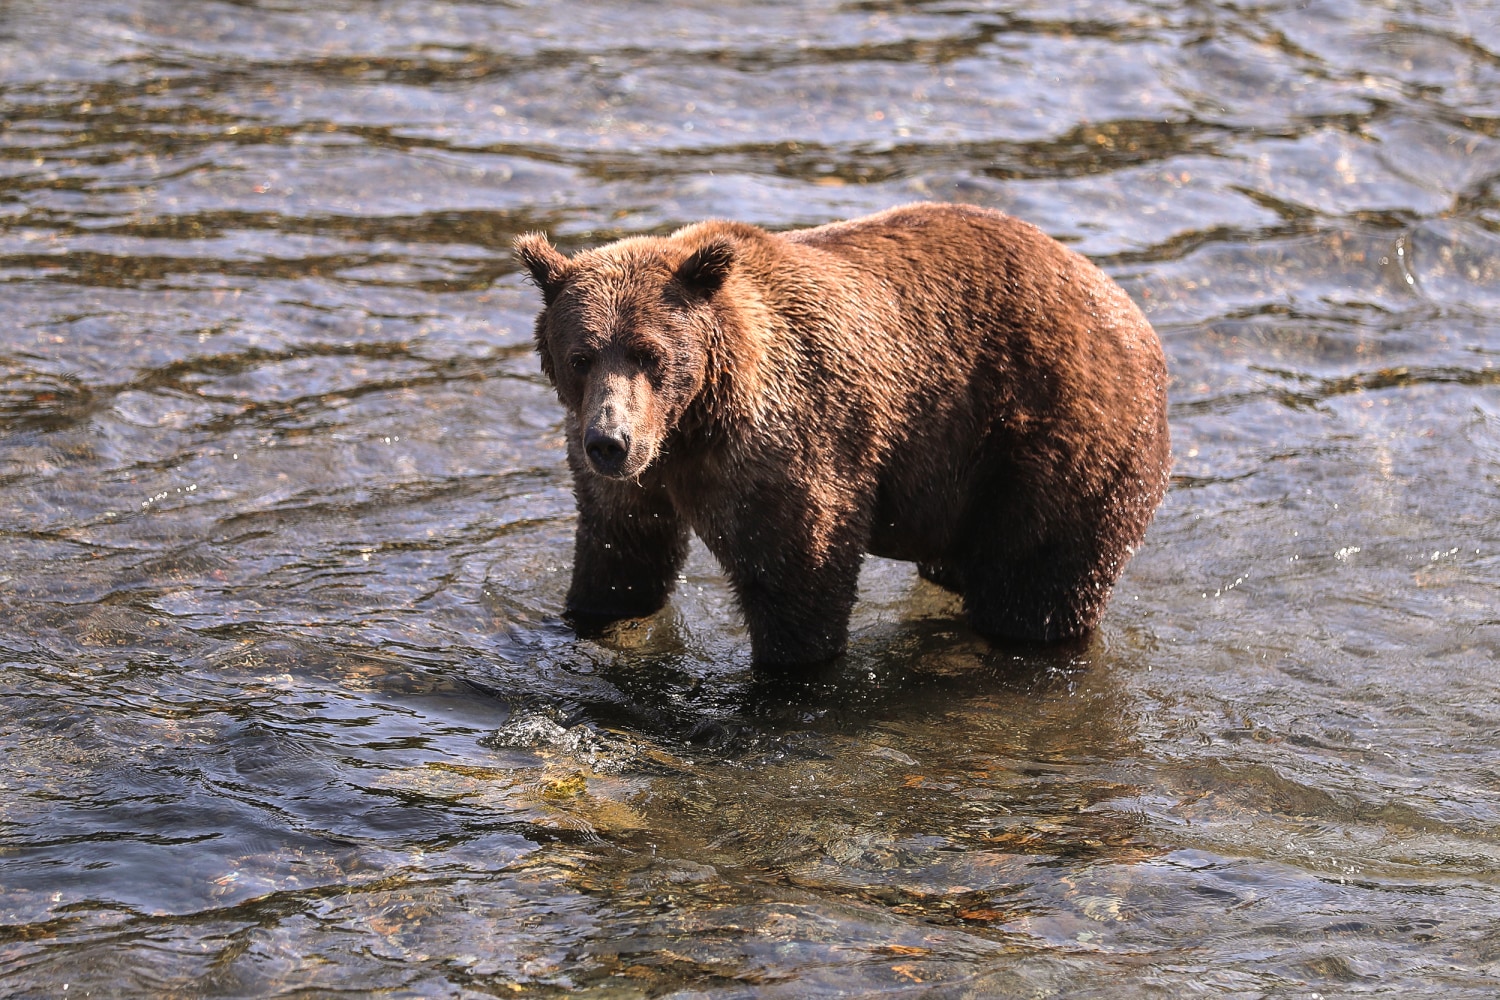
column 286, row 706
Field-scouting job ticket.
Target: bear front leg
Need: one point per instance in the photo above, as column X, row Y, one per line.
column 629, row 547
column 796, row 577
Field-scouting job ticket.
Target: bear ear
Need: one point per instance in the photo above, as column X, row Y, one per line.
column 704, row 272
column 549, row 269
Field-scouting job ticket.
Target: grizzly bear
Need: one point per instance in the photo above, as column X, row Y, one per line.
column 936, row 383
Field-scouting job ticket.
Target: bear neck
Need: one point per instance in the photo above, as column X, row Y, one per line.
column 770, row 312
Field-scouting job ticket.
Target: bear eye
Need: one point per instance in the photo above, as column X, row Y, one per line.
column 579, row 362
column 644, row 357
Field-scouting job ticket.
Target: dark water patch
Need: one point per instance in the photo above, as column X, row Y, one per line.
column 38, row 400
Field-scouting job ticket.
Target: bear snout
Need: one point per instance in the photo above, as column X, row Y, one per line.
column 607, row 448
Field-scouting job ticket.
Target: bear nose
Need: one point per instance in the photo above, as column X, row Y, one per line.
column 606, row 449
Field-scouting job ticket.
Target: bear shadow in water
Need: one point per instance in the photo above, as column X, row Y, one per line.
column 670, row 691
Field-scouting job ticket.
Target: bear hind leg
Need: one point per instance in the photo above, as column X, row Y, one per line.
column 1045, row 594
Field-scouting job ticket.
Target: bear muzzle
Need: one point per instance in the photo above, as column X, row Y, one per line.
column 607, row 448
column 618, row 425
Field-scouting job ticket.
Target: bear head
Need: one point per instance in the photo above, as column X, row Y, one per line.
column 626, row 336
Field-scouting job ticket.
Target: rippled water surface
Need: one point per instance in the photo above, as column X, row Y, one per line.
column 285, row 703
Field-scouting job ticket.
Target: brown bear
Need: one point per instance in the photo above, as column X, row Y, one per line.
column 937, row 383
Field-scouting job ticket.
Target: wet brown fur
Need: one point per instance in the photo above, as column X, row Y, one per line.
column 936, row 383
